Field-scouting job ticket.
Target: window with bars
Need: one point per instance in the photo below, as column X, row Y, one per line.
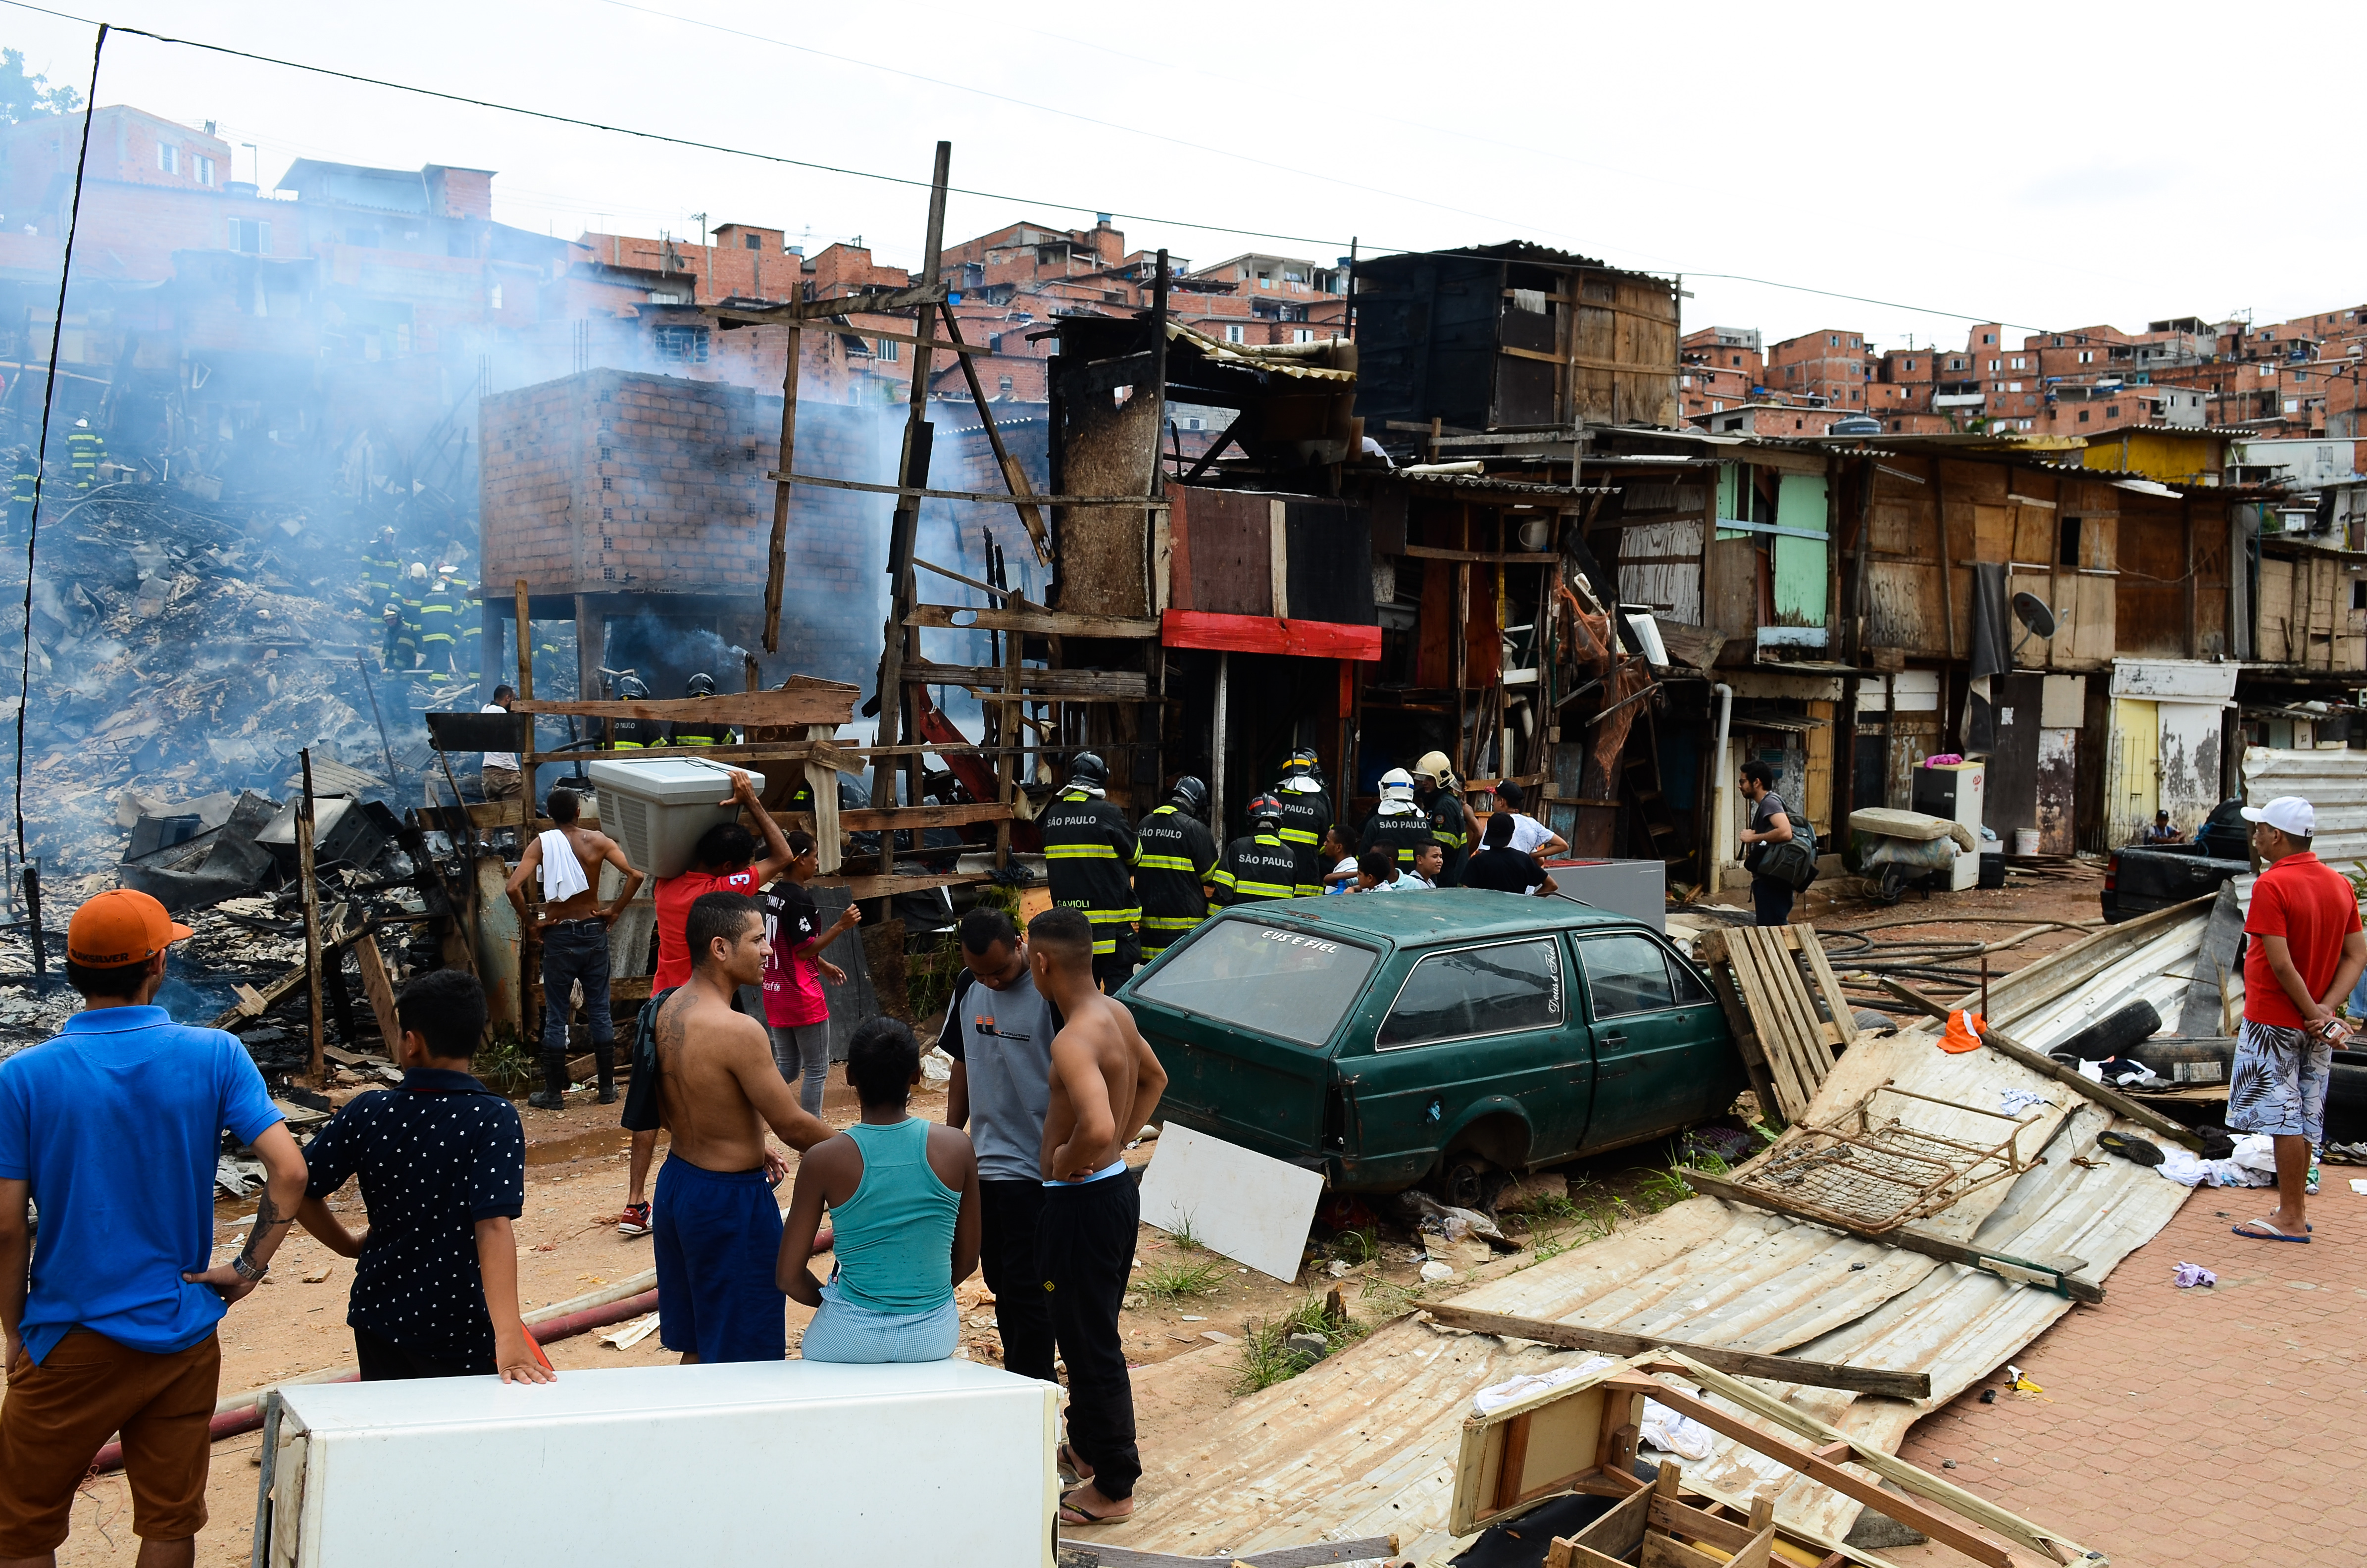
column 681, row 345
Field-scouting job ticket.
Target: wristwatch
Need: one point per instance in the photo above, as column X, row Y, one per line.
column 247, row 1269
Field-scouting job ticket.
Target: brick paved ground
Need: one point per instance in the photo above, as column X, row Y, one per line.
column 2192, row 1427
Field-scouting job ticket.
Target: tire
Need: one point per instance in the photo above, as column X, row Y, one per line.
column 2188, row 1061
column 2347, row 1091
column 1891, row 886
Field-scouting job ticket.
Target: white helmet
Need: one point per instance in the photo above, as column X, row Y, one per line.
column 419, row 571
column 1397, row 784
column 1434, row 766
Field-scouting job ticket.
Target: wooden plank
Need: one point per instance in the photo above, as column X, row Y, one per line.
column 1897, row 1471
column 311, row 894
column 801, row 703
column 876, row 302
column 1620, row 1531
column 776, row 556
column 1791, row 1096
column 1128, row 684
column 1267, row 634
column 2007, row 1046
column 1683, row 1518
column 1906, row 1238
column 1041, row 622
column 1015, row 477
column 1660, row 1552
column 1823, row 1471
column 379, row 988
column 1740, row 1363
column 1564, row 1554
column 1582, row 361
column 1514, row 1463
column 941, row 345
column 883, row 887
column 1804, row 1037
column 1737, row 1018
column 1142, row 502
column 1486, row 557
column 870, row 821
column 1829, row 984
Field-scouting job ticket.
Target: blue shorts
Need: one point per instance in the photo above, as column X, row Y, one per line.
column 718, row 1236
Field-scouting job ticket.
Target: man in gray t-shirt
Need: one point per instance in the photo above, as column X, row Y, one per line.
column 999, row 1031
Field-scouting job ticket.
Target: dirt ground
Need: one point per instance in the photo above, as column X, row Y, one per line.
column 1188, row 1347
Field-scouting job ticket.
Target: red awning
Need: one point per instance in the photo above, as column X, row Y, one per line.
column 1265, row 634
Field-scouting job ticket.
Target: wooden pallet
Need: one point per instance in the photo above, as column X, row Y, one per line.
column 1787, row 1048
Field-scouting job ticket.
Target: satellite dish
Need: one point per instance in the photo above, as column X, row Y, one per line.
column 2032, row 611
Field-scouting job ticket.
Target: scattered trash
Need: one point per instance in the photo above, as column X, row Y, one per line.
column 2014, row 1102
column 938, row 1067
column 1496, row 1396
column 1964, row 1032
column 1988, row 1396
column 1437, row 1273
column 1947, row 1464
column 2137, row 1151
column 1189, row 1317
column 1673, row 1433
column 2357, row 1185
column 1338, row 1269
column 2188, row 1275
column 627, row 1336
column 1437, row 1219
column 1309, row 1343
column 2020, row 1384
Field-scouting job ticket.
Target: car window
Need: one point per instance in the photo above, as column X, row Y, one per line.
column 1690, row 990
column 1625, row 974
column 1280, row 983
column 1472, row 991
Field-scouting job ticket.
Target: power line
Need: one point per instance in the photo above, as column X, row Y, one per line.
column 907, row 181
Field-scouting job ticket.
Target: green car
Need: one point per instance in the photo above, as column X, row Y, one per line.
column 1443, row 1038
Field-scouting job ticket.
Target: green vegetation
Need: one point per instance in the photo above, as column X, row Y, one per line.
column 501, row 1060
column 1173, row 1281
column 1183, row 1235
column 1266, row 1355
column 1355, row 1247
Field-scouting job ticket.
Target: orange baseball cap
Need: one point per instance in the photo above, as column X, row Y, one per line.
column 120, row 928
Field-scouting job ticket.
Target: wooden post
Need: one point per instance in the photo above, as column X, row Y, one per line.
column 1014, row 475
column 526, row 694
column 379, row 988
column 898, row 641
column 1146, row 769
column 778, row 557
column 318, row 1063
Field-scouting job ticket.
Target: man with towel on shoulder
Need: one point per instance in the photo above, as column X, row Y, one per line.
column 573, row 926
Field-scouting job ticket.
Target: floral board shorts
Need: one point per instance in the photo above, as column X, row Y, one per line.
column 2278, row 1084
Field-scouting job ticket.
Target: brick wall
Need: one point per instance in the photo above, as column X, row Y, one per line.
column 613, row 483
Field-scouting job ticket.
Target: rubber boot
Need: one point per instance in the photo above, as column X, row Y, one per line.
column 553, row 1095
column 604, row 1053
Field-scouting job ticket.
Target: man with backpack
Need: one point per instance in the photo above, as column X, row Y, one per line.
column 1780, row 852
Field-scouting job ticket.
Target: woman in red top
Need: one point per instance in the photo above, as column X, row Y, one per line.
column 797, row 1012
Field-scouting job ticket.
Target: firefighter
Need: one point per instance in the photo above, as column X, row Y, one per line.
column 1452, row 825
column 1262, row 867
column 400, row 649
column 411, row 596
column 382, row 569
column 1177, row 862
column 439, row 614
column 632, row 734
column 704, row 733
column 1089, row 851
column 1305, row 812
column 85, row 449
column 1399, row 823
column 28, row 490
column 469, row 608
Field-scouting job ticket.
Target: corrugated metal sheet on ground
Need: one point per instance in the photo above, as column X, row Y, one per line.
column 1364, row 1442
column 2334, row 782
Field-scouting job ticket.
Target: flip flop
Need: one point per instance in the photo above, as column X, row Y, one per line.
column 2274, row 1235
column 1069, row 1506
column 1065, row 1459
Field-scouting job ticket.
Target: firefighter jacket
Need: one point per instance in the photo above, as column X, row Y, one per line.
column 85, row 449
column 1089, row 851
column 1258, row 868
column 29, row 488
column 1405, row 829
column 439, row 617
column 632, row 734
column 1178, row 854
column 700, row 735
column 380, row 573
column 1304, row 815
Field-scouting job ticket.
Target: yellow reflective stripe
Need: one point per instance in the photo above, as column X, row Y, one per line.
column 1106, row 950
column 1166, row 863
column 1310, row 890
column 1170, row 922
column 1221, row 878
column 1266, row 889
column 1297, row 835
column 1113, row 916
column 435, row 637
column 1079, row 852
column 1405, row 856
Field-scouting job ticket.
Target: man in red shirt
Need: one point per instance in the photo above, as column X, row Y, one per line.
column 2304, row 950
column 723, row 861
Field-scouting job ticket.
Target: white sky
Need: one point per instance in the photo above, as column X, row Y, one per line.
column 2047, row 166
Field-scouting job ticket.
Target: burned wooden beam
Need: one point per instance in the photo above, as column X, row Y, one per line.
column 1739, row 1363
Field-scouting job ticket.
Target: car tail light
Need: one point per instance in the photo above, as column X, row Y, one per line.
column 2111, row 873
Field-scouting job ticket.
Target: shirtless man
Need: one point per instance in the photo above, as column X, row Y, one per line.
column 1106, row 1082
column 573, row 928
column 716, row 1230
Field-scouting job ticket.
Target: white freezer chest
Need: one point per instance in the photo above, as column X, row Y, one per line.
column 657, row 809
column 740, row 1464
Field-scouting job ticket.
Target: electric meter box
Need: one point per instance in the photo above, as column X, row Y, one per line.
column 658, row 809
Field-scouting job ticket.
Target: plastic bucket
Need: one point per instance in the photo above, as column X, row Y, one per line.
column 2025, row 841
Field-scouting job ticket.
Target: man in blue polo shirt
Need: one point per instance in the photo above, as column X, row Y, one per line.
column 113, row 1129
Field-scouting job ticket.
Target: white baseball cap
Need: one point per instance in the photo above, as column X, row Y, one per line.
column 2286, row 813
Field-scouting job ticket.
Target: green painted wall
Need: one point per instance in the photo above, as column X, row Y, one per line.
column 1800, row 562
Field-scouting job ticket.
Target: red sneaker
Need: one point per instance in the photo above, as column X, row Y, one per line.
column 634, row 1221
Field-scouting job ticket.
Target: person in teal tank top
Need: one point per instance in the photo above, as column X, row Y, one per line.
column 903, row 1201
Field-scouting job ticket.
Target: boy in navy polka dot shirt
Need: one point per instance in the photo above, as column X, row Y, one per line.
column 442, row 1162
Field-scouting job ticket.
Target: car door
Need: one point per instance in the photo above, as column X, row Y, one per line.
column 1476, row 1048
column 1663, row 1057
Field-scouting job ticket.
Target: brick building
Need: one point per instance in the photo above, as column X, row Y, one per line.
column 622, row 497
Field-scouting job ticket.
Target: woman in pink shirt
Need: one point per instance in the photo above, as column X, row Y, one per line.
column 796, row 1011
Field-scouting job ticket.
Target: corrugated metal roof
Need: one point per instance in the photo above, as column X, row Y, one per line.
column 2334, row 782
column 1364, row 1442
column 1496, row 486
column 1276, row 358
